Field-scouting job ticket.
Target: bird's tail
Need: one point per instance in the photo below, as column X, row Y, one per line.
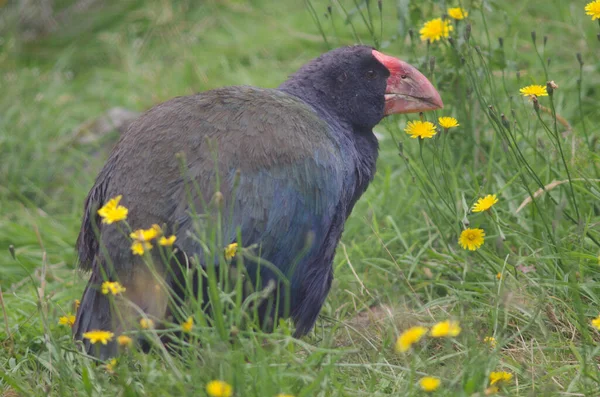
column 94, row 314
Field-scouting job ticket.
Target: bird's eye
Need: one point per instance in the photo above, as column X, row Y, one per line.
column 371, row 74
column 404, row 76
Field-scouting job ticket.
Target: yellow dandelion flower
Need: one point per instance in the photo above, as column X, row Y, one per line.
column 77, row 304
column 499, row 276
column 112, row 287
column 458, row 13
column 534, row 90
column 420, row 129
column 409, row 337
column 96, row 336
column 500, row 377
column 445, row 328
column 471, row 239
column 146, row 323
column 138, row 247
column 485, row 203
column 113, row 212
column 231, row 251
column 490, row 341
column 219, row 388
column 490, row 391
column 167, row 241
column 146, row 234
column 593, row 9
column 110, row 366
column 429, row 383
column 448, row 122
column 436, row 29
column 188, row 324
column 124, row 340
column 596, row 322
column 69, row 320
column 142, row 237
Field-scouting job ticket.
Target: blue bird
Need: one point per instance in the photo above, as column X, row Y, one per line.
column 291, row 163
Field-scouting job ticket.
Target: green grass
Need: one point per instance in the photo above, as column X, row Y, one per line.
column 399, row 263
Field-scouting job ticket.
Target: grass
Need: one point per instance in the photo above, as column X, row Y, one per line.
column 534, row 285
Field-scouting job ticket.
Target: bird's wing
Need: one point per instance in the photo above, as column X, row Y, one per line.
column 287, row 169
column 280, row 174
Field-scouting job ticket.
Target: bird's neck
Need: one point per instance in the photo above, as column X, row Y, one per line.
column 358, row 142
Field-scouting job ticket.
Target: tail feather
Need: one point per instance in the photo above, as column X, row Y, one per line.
column 94, row 314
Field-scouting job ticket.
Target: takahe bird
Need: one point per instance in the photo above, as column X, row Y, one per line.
column 300, row 156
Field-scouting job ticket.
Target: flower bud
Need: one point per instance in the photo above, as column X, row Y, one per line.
column 218, row 197
column 505, row 121
column 536, row 104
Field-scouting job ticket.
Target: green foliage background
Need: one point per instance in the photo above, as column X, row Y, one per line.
column 399, row 263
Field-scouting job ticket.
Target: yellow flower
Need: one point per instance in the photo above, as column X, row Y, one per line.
column 500, row 377
column 124, row 340
column 429, row 383
column 137, row 247
column 146, row 234
column 96, row 336
column 146, row 323
column 113, row 287
column 596, row 322
column 218, row 388
column 445, row 328
column 448, row 122
column 110, row 366
column 167, row 241
column 593, row 9
column 435, row 29
column 534, row 90
column 142, row 237
column 409, row 337
column 284, row 395
column 69, row 320
column 499, row 276
column 230, row 251
column 471, row 239
column 188, row 324
column 458, row 13
column 491, row 341
column 77, row 304
column 484, row 204
column 112, row 211
column 420, row 129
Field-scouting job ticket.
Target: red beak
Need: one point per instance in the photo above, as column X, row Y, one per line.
column 408, row 91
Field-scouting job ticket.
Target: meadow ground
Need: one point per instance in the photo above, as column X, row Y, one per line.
column 532, row 285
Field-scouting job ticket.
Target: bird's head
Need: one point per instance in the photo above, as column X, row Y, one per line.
column 361, row 85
